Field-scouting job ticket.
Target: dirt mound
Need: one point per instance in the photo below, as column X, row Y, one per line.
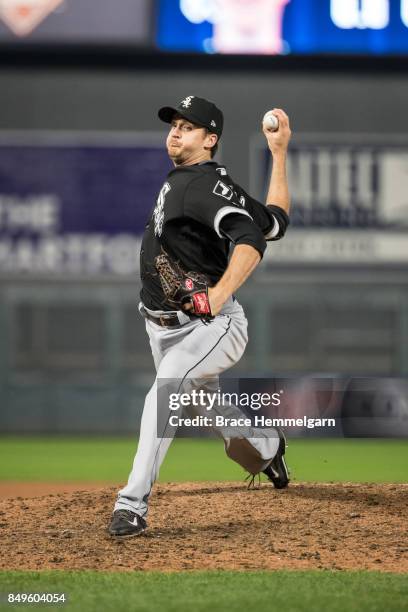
column 17, row 488
column 214, row 526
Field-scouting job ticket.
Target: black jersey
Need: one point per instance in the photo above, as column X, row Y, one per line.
column 186, row 222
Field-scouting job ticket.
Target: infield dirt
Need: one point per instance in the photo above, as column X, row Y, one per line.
column 214, row 526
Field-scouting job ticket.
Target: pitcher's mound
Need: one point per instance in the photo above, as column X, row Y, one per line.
column 214, row 526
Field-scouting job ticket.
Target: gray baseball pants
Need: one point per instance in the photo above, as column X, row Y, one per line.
column 192, row 352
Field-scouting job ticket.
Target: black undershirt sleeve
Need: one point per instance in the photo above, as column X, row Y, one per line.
column 281, row 217
column 240, row 229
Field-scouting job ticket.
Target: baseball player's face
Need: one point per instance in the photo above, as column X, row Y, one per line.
column 188, row 143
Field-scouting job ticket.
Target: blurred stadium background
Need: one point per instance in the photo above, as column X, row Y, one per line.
column 82, row 157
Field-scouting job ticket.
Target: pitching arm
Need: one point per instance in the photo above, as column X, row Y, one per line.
column 278, row 142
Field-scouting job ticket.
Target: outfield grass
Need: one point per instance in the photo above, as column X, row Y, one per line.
column 289, row 591
column 67, row 459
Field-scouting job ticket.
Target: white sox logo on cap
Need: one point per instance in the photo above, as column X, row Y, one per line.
column 186, row 103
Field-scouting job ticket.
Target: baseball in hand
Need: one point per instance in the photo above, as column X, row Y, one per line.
column 270, row 122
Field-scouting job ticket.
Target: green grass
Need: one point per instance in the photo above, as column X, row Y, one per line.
column 109, row 460
column 311, row 591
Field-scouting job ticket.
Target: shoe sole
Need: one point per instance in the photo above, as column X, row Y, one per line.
column 126, row 536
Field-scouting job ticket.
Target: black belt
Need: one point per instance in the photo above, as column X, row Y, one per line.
column 167, row 320
column 163, row 320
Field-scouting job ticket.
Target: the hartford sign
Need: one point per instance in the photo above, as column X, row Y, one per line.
column 349, row 197
column 76, row 204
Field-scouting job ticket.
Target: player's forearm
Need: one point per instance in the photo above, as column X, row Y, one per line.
column 278, row 142
column 243, row 262
column 278, row 193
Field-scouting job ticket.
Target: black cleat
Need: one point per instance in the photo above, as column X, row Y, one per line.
column 277, row 471
column 126, row 524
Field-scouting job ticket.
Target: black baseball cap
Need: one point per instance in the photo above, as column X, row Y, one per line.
column 198, row 111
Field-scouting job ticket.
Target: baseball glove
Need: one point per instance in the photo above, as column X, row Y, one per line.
column 181, row 288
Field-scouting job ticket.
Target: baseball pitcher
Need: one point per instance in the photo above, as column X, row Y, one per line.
column 204, row 238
